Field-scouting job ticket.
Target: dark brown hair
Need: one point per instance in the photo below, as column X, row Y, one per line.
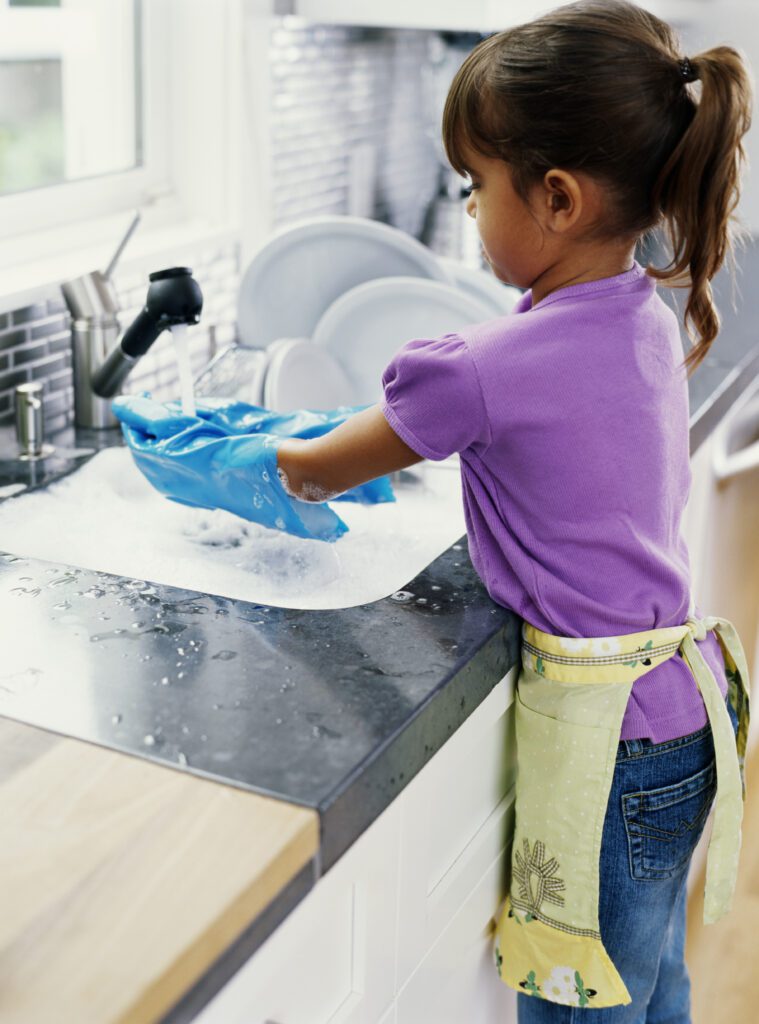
column 597, row 86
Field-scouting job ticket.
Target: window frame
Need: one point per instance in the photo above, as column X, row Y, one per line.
column 190, row 190
column 55, row 206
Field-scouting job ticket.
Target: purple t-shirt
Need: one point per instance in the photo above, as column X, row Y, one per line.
column 571, row 419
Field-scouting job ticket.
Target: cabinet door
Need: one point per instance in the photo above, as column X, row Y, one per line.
column 455, row 821
column 458, row 980
column 332, row 960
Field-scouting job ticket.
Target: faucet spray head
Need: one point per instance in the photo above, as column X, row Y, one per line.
column 174, row 297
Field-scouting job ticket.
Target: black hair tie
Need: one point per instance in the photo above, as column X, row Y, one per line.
column 687, row 71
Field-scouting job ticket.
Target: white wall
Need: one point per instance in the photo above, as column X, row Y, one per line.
column 736, row 23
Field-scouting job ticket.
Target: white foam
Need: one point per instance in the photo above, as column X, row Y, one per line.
column 109, row 518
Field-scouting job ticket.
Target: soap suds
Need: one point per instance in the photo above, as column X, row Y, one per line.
column 110, row 519
column 310, row 491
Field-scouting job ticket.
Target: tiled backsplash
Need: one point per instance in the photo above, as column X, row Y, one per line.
column 35, row 342
column 349, row 104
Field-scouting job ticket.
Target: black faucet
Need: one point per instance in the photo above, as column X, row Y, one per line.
column 174, row 297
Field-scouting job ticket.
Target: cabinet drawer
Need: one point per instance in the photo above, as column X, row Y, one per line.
column 332, row 960
column 457, row 980
column 456, row 817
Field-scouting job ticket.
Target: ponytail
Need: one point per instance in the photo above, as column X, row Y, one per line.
column 639, row 126
column 698, row 189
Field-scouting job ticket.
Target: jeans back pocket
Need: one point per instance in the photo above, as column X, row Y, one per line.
column 664, row 825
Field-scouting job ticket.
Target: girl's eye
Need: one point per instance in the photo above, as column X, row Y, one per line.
column 468, row 189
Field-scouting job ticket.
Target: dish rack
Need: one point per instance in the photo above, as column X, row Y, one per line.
column 238, row 372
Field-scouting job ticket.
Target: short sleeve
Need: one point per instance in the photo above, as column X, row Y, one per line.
column 432, row 397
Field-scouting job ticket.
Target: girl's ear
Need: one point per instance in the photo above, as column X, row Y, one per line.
column 562, row 199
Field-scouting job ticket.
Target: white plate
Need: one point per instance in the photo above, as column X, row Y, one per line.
column 366, row 326
column 482, row 284
column 302, row 376
column 294, row 278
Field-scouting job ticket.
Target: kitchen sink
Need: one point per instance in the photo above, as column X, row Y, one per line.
column 106, row 517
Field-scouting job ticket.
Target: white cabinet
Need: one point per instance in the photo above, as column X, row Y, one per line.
column 333, row 958
column 457, row 979
column 404, row 920
column 474, row 16
column 455, row 822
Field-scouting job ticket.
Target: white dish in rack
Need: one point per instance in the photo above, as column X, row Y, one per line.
column 295, row 277
column 366, row 326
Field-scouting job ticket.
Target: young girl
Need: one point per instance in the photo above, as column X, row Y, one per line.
column 581, row 131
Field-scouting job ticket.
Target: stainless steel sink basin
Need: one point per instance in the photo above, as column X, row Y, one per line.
column 106, row 517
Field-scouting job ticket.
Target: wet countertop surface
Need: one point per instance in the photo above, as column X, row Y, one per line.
column 334, row 710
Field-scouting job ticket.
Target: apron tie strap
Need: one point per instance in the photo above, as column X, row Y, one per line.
column 725, row 840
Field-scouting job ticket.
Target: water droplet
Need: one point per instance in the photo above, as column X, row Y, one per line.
column 149, row 740
column 224, row 656
column 421, row 600
column 181, row 758
column 180, row 650
column 457, row 547
column 116, row 719
column 279, row 721
column 186, row 730
column 216, row 707
column 136, row 625
column 180, row 675
column 401, row 596
column 204, row 737
column 435, row 586
column 165, row 681
column 62, row 607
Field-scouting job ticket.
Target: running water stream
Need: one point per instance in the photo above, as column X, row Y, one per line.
column 182, row 350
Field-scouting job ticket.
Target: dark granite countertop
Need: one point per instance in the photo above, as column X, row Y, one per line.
column 315, row 707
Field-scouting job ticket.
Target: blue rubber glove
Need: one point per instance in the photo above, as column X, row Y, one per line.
column 195, row 463
column 237, row 418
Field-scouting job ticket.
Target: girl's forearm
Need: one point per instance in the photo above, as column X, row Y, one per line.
column 299, row 473
column 362, row 448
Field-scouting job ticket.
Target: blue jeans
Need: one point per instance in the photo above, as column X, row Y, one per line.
column 660, row 797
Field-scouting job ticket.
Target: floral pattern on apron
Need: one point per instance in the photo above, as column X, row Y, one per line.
column 570, row 700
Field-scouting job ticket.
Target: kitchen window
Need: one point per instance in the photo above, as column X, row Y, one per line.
column 77, row 140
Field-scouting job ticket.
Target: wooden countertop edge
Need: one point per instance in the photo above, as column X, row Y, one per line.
column 122, row 881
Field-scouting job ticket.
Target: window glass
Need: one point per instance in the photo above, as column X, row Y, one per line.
column 70, row 87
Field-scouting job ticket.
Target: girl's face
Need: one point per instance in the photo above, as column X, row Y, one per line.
column 513, row 242
column 548, row 243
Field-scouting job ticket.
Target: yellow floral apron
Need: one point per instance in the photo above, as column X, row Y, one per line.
column 570, row 701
